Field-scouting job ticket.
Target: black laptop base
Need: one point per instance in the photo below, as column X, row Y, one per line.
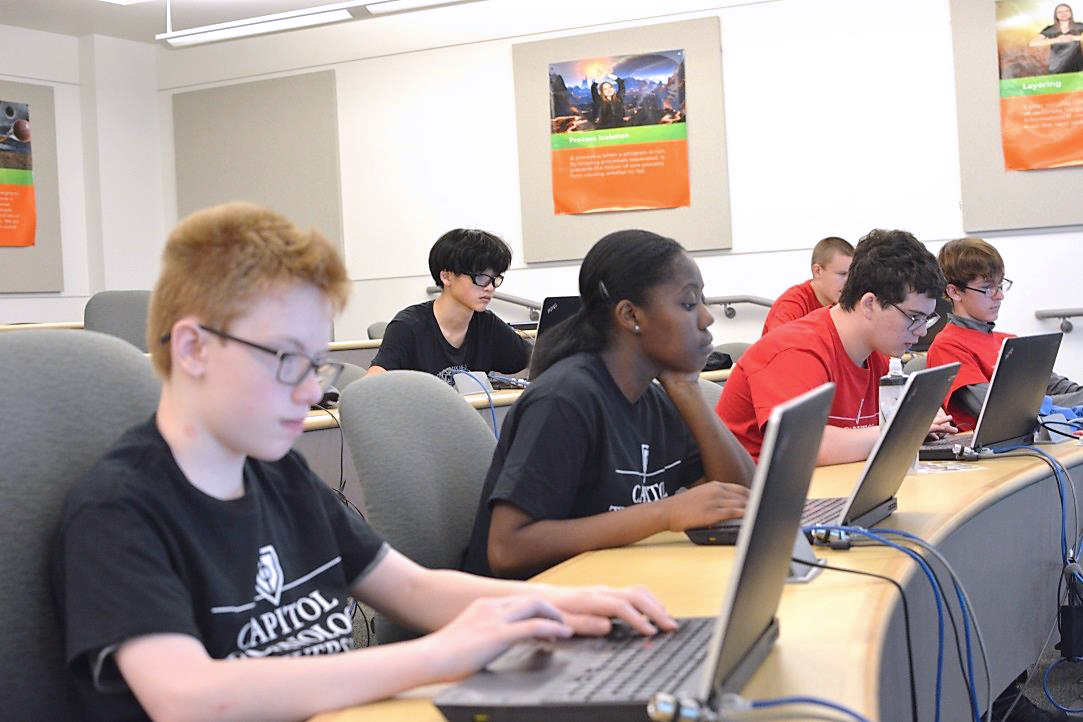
column 530, row 698
column 822, row 510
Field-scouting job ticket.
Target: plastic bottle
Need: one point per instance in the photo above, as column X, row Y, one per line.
column 891, row 388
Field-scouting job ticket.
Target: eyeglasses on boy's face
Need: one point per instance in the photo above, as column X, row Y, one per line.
column 918, row 321
column 484, row 279
column 293, row 366
column 1004, row 286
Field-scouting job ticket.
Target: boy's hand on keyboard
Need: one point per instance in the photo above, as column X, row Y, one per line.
column 941, row 426
column 487, row 627
column 588, row 610
column 705, row 504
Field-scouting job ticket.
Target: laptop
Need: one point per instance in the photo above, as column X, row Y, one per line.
column 1008, row 417
column 555, row 310
column 612, row 678
column 873, row 497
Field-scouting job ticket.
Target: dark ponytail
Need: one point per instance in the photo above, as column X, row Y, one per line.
column 622, row 265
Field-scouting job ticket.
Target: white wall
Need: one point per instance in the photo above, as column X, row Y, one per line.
column 108, row 164
column 832, row 128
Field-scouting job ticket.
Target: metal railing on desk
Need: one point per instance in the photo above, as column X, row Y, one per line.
column 533, row 306
column 1063, row 314
column 728, row 302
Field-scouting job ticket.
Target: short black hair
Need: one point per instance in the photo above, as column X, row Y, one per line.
column 468, row 250
column 891, row 264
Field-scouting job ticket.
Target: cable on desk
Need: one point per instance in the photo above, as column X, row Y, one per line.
column 966, row 609
column 906, row 620
column 820, row 530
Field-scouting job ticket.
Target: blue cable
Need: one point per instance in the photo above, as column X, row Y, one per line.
column 492, row 406
column 1045, row 687
column 966, row 614
column 924, row 566
column 780, row 701
column 1058, row 470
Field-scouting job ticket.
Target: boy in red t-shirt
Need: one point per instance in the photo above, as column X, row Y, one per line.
column 830, row 264
column 885, row 306
column 976, row 285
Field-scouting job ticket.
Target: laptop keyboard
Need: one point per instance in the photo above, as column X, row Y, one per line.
column 822, row 511
column 965, row 438
column 637, row 667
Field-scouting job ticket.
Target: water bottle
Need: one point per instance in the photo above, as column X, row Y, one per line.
column 891, row 388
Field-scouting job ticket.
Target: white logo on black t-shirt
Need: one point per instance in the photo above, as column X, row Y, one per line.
column 644, row 492
column 269, row 575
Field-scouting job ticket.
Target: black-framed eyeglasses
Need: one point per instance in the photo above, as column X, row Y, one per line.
column 484, row 279
column 293, row 366
column 918, row 321
column 1004, row 286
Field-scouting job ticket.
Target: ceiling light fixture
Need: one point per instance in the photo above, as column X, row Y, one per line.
column 290, row 20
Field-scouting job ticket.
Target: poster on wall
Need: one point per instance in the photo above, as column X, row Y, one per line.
column 17, row 214
column 618, row 133
column 1041, row 84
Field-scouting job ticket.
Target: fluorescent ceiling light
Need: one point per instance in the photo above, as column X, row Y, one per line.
column 291, row 20
column 400, row 6
column 125, row 2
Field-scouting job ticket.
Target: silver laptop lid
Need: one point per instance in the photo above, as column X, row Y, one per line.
column 899, row 440
column 1011, row 405
column 765, row 543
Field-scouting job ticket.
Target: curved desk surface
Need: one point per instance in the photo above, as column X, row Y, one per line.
column 997, row 521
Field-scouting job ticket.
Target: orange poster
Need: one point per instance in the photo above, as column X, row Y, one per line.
column 618, row 133
column 1040, row 49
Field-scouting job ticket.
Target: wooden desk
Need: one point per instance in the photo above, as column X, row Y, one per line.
column 841, row 635
column 359, row 353
column 78, row 325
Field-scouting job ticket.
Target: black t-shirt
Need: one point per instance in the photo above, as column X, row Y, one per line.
column 142, row 551
column 572, row 446
column 413, row 340
column 1066, row 57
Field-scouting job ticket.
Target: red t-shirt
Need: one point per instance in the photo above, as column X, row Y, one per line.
column 976, row 351
column 794, row 303
column 790, row 361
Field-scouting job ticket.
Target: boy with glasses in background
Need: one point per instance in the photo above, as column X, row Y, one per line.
column 976, row 286
column 456, row 333
column 202, row 571
column 886, row 305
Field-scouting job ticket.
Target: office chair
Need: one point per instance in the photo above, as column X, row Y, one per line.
column 68, row 395
column 735, row 349
column 350, row 373
column 119, row 313
column 917, row 362
column 712, row 392
column 376, row 329
column 421, row 455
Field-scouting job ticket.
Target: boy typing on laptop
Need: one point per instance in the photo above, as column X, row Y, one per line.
column 976, row 286
column 886, row 305
column 202, row 571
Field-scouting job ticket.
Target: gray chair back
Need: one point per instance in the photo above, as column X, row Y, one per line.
column 916, row 363
column 350, row 373
column 421, row 454
column 376, row 329
column 735, row 349
column 68, row 395
column 712, row 392
column 119, row 313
